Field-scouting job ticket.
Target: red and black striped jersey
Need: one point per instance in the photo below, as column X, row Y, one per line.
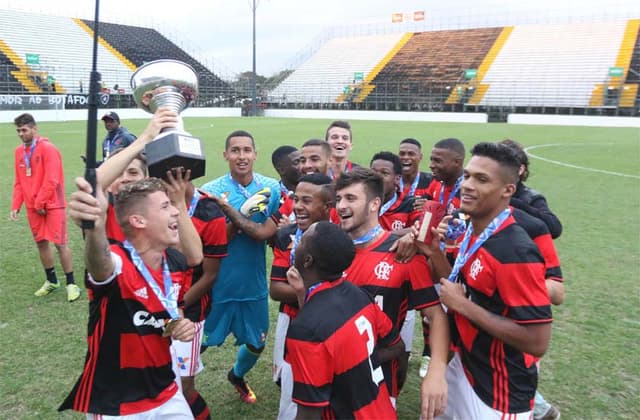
column 540, row 235
column 400, row 215
column 505, row 277
column 282, row 244
column 115, row 235
column 128, row 363
column 434, row 190
column 211, row 225
column 395, row 287
column 330, row 346
column 422, row 189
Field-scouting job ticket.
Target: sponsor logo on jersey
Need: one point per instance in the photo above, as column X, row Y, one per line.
column 142, row 318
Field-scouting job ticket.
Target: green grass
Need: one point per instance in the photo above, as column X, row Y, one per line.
column 592, row 369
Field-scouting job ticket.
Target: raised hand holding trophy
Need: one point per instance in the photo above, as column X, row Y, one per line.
column 172, row 84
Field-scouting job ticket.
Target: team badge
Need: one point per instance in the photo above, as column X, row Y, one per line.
column 383, row 270
column 397, row 225
column 475, row 269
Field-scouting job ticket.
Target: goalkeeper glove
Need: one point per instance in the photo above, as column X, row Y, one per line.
column 257, row 203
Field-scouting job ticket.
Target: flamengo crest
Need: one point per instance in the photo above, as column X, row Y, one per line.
column 383, row 270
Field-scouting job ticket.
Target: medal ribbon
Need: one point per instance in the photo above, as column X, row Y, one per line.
column 414, row 185
column 372, row 233
column 194, row 203
column 454, row 191
column 27, row 156
column 464, row 254
column 169, row 300
column 296, row 242
column 388, row 205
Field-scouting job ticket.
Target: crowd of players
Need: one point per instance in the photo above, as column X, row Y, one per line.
column 173, row 269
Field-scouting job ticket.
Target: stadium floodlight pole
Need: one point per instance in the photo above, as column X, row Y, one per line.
column 92, row 116
column 254, row 108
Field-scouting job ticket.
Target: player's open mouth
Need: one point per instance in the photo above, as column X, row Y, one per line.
column 173, row 226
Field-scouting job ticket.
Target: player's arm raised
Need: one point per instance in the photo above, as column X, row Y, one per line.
column 84, row 206
column 113, row 167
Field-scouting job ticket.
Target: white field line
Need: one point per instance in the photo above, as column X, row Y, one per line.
column 568, row 165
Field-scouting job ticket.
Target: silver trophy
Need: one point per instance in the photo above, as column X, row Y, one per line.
column 172, row 84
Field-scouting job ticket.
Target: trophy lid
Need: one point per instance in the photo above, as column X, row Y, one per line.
column 170, row 83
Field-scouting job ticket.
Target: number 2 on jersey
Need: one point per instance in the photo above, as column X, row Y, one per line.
column 364, row 326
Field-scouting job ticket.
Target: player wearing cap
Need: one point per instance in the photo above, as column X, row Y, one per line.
column 117, row 136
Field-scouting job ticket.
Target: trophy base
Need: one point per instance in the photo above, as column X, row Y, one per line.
column 172, row 150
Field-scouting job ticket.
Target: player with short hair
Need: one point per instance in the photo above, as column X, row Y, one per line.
column 135, row 171
column 240, row 295
column 210, row 223
column 286, row 162
column 496, row 297
column 397, row 213
column 313, row 202
column 39, row 185
column 136, row 290
column 394, row 286
column 535, row 204
column 340, row 336
column 340, row 138
column 446, row 164
column 314, row 157
column 414, row 182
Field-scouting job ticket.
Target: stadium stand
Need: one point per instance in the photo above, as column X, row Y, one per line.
column 430, row 63
column 633, row 75
column 563, row 68
column 552, row 65
column 324, row 77
column 9, row 73
column 60, row 60
column 141, row 45
column 65, row 54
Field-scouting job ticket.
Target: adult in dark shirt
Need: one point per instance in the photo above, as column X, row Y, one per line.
column 529, row 199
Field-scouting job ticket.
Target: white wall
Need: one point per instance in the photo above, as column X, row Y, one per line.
column 533, row 119
column 578, row 120
column 377, row 115
column 125, row 114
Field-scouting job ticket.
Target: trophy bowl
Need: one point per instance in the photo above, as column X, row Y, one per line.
column 172, row 84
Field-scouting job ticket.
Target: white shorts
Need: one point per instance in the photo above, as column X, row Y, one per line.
column 408, row 327
column 463, row 403
column 282, row 370
column 186, row 355
column 176, row 407
column 280, row 336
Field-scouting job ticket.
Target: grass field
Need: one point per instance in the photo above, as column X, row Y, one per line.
column 592, row 368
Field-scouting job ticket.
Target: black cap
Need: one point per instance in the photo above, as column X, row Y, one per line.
column 110, row 116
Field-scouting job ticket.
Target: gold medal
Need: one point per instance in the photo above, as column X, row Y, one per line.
column 28, row 171
column 169, row 326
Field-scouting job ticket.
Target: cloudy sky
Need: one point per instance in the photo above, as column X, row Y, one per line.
column 219, row 32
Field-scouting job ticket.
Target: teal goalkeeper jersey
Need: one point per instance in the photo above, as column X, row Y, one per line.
column 243, row 274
